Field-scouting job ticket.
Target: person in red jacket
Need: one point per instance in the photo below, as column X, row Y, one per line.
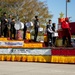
column 66, row 32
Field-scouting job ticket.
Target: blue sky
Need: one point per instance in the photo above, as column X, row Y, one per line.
column 55, row 7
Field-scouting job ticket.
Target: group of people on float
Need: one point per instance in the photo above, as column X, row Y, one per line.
column 66, row 33
column 7, row 26
column 7, row 29
column 50, row 30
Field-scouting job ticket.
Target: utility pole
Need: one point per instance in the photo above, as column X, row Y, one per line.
column 66, row 6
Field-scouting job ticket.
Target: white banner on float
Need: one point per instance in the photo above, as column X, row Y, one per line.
column 11, row 43
column 26, row 51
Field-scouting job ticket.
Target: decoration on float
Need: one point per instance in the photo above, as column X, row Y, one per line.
column 25, row 51
column 11, row 43
column 33, row 45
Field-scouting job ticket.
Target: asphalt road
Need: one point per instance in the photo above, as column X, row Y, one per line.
column 28, row 68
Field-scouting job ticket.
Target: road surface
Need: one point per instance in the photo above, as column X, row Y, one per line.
column 29, row 68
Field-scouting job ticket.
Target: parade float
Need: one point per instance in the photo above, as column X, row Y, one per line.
column 28, row 51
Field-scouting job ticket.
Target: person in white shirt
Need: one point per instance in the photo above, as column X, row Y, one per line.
column 49, row 33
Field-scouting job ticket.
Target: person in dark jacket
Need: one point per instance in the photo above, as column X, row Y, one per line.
column 12, row 29
column 54, row 37
column 36, row 26
column 0, row 26
column 9, row 24
column 4, row 23
column 24, row 30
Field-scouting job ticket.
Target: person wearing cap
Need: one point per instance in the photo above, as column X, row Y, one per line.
column 36, row 26
column 66, row 32
column 4, row 23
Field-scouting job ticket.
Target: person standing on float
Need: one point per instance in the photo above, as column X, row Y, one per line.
column 49, row 33
column 4, row 23
column 12, row 29
column 24, row 31
column 36, row 26
column 66, row 32
column 54, row 37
